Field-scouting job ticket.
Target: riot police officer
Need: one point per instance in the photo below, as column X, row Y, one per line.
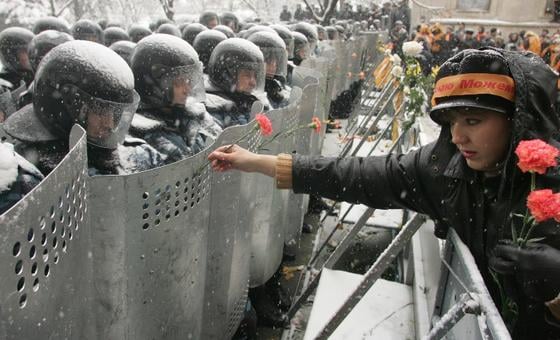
column 14, row 56
column 50, row 23
column 275, row 55
column 236, row 80
column 114, row 34
column 95, row 90
column 167, row 72
column 39, row 46
column 204, row 44
column 137, row 32
column 87, row 30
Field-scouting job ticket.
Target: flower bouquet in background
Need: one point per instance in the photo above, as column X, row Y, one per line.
column 535, row 156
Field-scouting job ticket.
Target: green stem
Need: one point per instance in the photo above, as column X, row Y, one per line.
column 528, row 233
column 282, row 134
column 533, row 181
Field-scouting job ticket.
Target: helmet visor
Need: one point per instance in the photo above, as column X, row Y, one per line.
column 290, row 47
column 249, row 78
column 276, row 60
column 184, row 84
column 106, row 122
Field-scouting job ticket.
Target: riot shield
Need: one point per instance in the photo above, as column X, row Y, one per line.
column 229, row 244
column 150, row 234
column 45, row 256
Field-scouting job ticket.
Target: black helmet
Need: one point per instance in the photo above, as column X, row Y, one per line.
column 228, row 61
column 321, row 32
column 102, row 23
column 225, row 30
column 301, row 47
column 158, row 62
column 274, row 51
column 309, row 31
column 95, row 89
column 14, row 40
column 287, row 36
column 332, row 33
column 257, row 28
column 207, row 18
column 155, row 25
column 124, row 49
column 42, row 43
column 87, row 30
column 191, row 31
column 114, row 24
column 114, row 34
column 137, row 32
column 51, row 23
column 204, row 44
column 169, row 29
column 230, row 20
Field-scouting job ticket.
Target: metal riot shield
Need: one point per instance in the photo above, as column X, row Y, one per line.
column 229, row 244
column 329, row 56
column 45, row 256
column 266, row 208
column 297, row 203
column 150, row 234
column 371, row 54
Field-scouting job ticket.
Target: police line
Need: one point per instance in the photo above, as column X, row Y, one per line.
column 166, row 253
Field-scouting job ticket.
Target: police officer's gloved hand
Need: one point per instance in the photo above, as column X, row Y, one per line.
column 536, row 268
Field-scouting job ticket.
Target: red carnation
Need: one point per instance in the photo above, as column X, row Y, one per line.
column 315, row 124
column 264, row 124
column 536, row 156
column 544, row 205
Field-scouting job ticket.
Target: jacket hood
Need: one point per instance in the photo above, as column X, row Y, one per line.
column 535, row 97
column 535, row 103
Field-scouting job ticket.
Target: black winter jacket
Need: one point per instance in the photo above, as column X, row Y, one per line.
column 435, row 180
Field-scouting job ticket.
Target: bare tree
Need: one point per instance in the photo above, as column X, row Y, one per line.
column 168, row 8
column 325, row 11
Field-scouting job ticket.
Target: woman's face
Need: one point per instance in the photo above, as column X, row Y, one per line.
column 482, row 136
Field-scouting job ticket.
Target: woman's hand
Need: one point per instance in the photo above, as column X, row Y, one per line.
column 230, row 157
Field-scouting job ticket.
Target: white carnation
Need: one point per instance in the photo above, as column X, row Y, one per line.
column 412, row 48
column 406, row 90
column 388, row 52
column 396, row 59
column 397, row 71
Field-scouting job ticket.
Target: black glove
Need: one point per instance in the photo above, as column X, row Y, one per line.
column 535, row 267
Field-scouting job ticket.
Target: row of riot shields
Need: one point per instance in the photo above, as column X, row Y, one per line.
column 167, row 253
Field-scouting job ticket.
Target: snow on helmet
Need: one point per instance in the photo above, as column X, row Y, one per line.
column 87, row 30
column 114, row 34
column 205, row 43
column 81, row 82
column 274, row 51
column 42, row 43
column 237, row 65
column 51, row 23
column 159, row 62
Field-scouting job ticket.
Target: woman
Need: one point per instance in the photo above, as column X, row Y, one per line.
column 486, row 101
